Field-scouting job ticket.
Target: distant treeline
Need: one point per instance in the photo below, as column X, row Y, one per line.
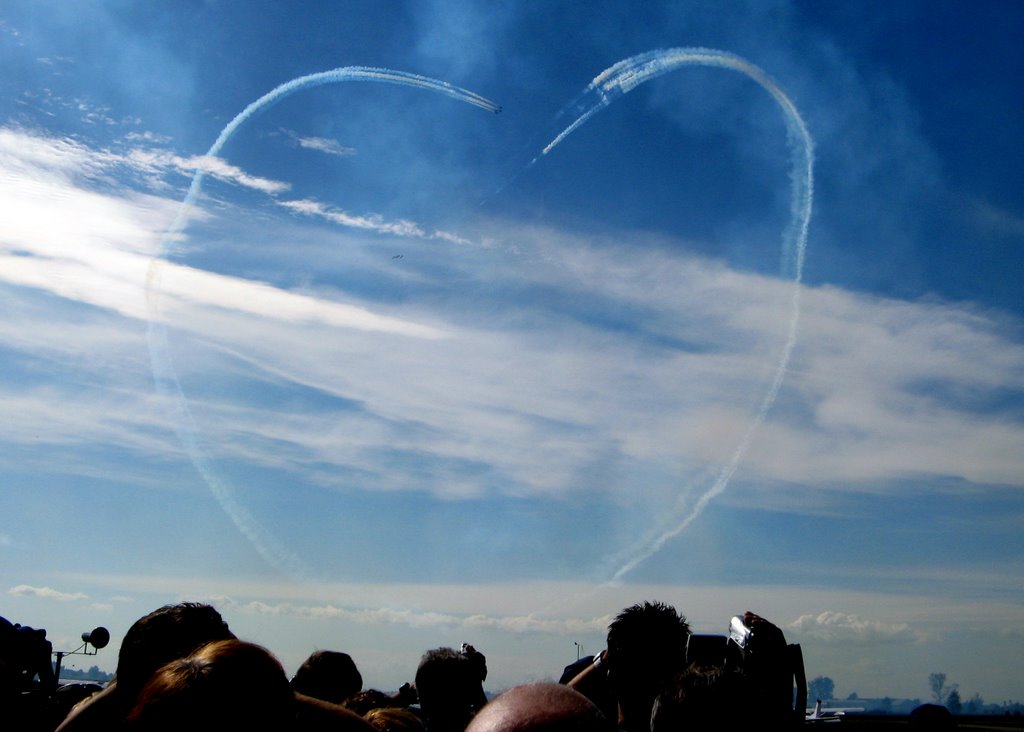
column 943, row 693
column 90, row 674
column 975, row 706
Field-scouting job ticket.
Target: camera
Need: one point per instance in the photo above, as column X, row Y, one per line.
column 756, row 651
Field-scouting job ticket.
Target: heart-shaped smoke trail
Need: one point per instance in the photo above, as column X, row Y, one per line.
column 607, row 87
column 164, row 375
column 624, row 77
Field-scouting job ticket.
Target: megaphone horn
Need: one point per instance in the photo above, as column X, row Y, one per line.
column 99, row 637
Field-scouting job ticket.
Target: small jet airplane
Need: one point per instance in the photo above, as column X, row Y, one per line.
column 829, row 714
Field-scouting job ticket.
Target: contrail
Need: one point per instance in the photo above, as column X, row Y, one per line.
column 164, row 375
column 624, row 77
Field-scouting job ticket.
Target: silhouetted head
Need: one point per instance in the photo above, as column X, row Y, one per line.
column 931, row 717
column 227, row 684
column 540, row 708
column 646, row 647
column 166, row 634
column 328, row 675
column 450, row 688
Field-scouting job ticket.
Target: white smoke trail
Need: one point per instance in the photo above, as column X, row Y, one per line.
column 164, row 375
column 627, row 75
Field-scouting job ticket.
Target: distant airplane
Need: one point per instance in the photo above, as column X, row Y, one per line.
column 398, row 256
column 829, row 714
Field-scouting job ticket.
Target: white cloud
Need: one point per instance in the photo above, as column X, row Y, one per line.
column 545, row 398
column 375, row 223
column 419, row 619
column 223, row 170
column 147, row 136
column 24, row 153
column 220, row 169
column 898, row 389
column 46, row 593
column 97, row 247
column 831, row 626
column 325, row 145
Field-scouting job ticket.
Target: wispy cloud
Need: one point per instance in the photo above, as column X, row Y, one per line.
column 216, row 167
column 46, row 593
column 321, row 144
column 147, row 136
column 997, row 219
column 372, row 222
column 376, row 223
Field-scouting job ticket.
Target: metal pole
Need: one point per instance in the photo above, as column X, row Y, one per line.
column 56, row 670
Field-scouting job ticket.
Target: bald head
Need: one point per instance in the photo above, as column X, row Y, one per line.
column 540, row 708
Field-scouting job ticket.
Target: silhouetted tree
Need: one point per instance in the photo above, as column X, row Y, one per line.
column 937, row 683
column 852, row 697
column 974, row 705
column 953, row 701
column 821, row 687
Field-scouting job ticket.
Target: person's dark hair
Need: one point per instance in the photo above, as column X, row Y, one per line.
column 168, row 633
column 328, row 675
column 652, row 632
column 450, row 688
column 227, row 684
column 646, row 647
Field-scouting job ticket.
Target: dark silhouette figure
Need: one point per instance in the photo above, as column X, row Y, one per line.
column 450, row 687
column 646, row 648
column 27, row 680
column 24, row 657
column 328, row 675
column 931, row 717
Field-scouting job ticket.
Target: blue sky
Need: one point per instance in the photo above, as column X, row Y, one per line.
column 431, row 393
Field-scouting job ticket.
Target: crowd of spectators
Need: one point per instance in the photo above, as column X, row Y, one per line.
column 181, row 668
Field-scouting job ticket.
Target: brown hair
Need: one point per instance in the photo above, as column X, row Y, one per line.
column 227, row 684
